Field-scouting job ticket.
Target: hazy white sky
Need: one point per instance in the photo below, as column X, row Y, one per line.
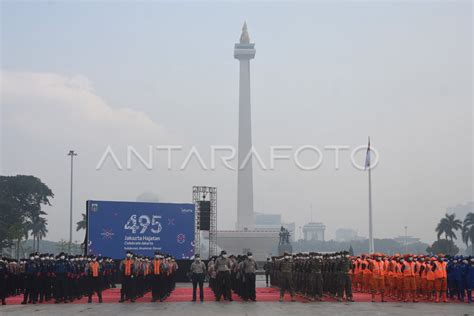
column 87, row 75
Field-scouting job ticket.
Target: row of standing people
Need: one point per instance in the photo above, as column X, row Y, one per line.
column 64, row 279
column 226, row 274
column 411, row 278
column 313, row 275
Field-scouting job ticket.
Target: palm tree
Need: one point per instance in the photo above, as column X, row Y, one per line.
column 448, row 225
column 82, row 224
column 38, row 230
column 468, row 231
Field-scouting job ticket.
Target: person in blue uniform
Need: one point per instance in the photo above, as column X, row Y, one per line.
column 469, row 279
column 61, row 269
column 31, row 273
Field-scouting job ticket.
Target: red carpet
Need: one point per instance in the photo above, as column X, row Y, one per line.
column 185, row 295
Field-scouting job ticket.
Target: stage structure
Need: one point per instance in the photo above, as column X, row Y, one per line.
column 205, row 217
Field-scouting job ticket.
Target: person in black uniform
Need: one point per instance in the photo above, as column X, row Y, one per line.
column 3, row 280
column 31, row 272
column 266, row 268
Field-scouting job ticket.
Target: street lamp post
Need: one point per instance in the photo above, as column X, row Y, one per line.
column 71, row 153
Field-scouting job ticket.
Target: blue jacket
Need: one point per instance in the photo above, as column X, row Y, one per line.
column 470, row 276
column 61, row 267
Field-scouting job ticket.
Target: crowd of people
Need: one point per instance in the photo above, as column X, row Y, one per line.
column 402, row 277
column 66, row 278
column 63, row 278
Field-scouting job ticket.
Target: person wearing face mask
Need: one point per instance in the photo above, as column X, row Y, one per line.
column 127, row 269
column 377, row 267
column 94, row 273
column 61, row 269
column 409, row 285
column 198, row 270
column 250, row 268
column 469, row 279
column 223, row 267
column 286, row 277
column 440, row 279
column 31, row 271
column 156, row 277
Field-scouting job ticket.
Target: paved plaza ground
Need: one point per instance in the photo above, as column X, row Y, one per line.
column 240, row 308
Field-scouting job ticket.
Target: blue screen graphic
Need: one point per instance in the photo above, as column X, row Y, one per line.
column 141, row 227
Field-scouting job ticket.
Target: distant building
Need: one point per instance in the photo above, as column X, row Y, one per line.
column 267, row 220
column 406, row 240
column 314, row 231
column 262, row 243
column 346, row 234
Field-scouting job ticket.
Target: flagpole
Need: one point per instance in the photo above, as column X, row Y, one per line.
column 371, row 235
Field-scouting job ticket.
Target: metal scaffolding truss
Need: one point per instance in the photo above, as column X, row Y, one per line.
column 201, row 193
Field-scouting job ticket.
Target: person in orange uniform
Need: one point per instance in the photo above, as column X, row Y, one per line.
column 127, row 268
column 423, row 282
column 94, row 272
column 358, row 274
column 441, row 279
column 367, row 274
column 417, row 276
column 377, row 281
column 430, row 278
column 409, row 283
column 156, row 279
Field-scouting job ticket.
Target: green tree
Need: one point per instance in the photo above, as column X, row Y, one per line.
column 448, row 226
column 445, row 246
column 82, row 224
column 468, row 231
column 21, row 199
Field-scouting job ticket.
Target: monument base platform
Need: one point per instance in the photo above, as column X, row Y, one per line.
column 284, row 248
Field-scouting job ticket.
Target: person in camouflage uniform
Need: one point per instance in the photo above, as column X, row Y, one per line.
column 344, row 268
column 286, row 277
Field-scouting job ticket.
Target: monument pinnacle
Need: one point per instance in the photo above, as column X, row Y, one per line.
column 244, row 38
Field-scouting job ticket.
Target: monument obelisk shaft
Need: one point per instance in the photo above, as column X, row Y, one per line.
column 244, row 51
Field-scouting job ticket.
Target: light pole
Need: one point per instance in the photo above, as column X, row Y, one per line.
column 406, row 239
column 71, row 153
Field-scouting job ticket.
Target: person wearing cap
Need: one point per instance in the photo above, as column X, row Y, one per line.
column 377, row 267
column 127, row 269
column 198, row 270
column 249, row 270
column 223, row 267
column 61, row 268
column 31, row 270
column 439, row 269
column 157, row 267
column 344, row 286
column 409, row 282
column 94, row 273
column 469, row 284
column 286, row 277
